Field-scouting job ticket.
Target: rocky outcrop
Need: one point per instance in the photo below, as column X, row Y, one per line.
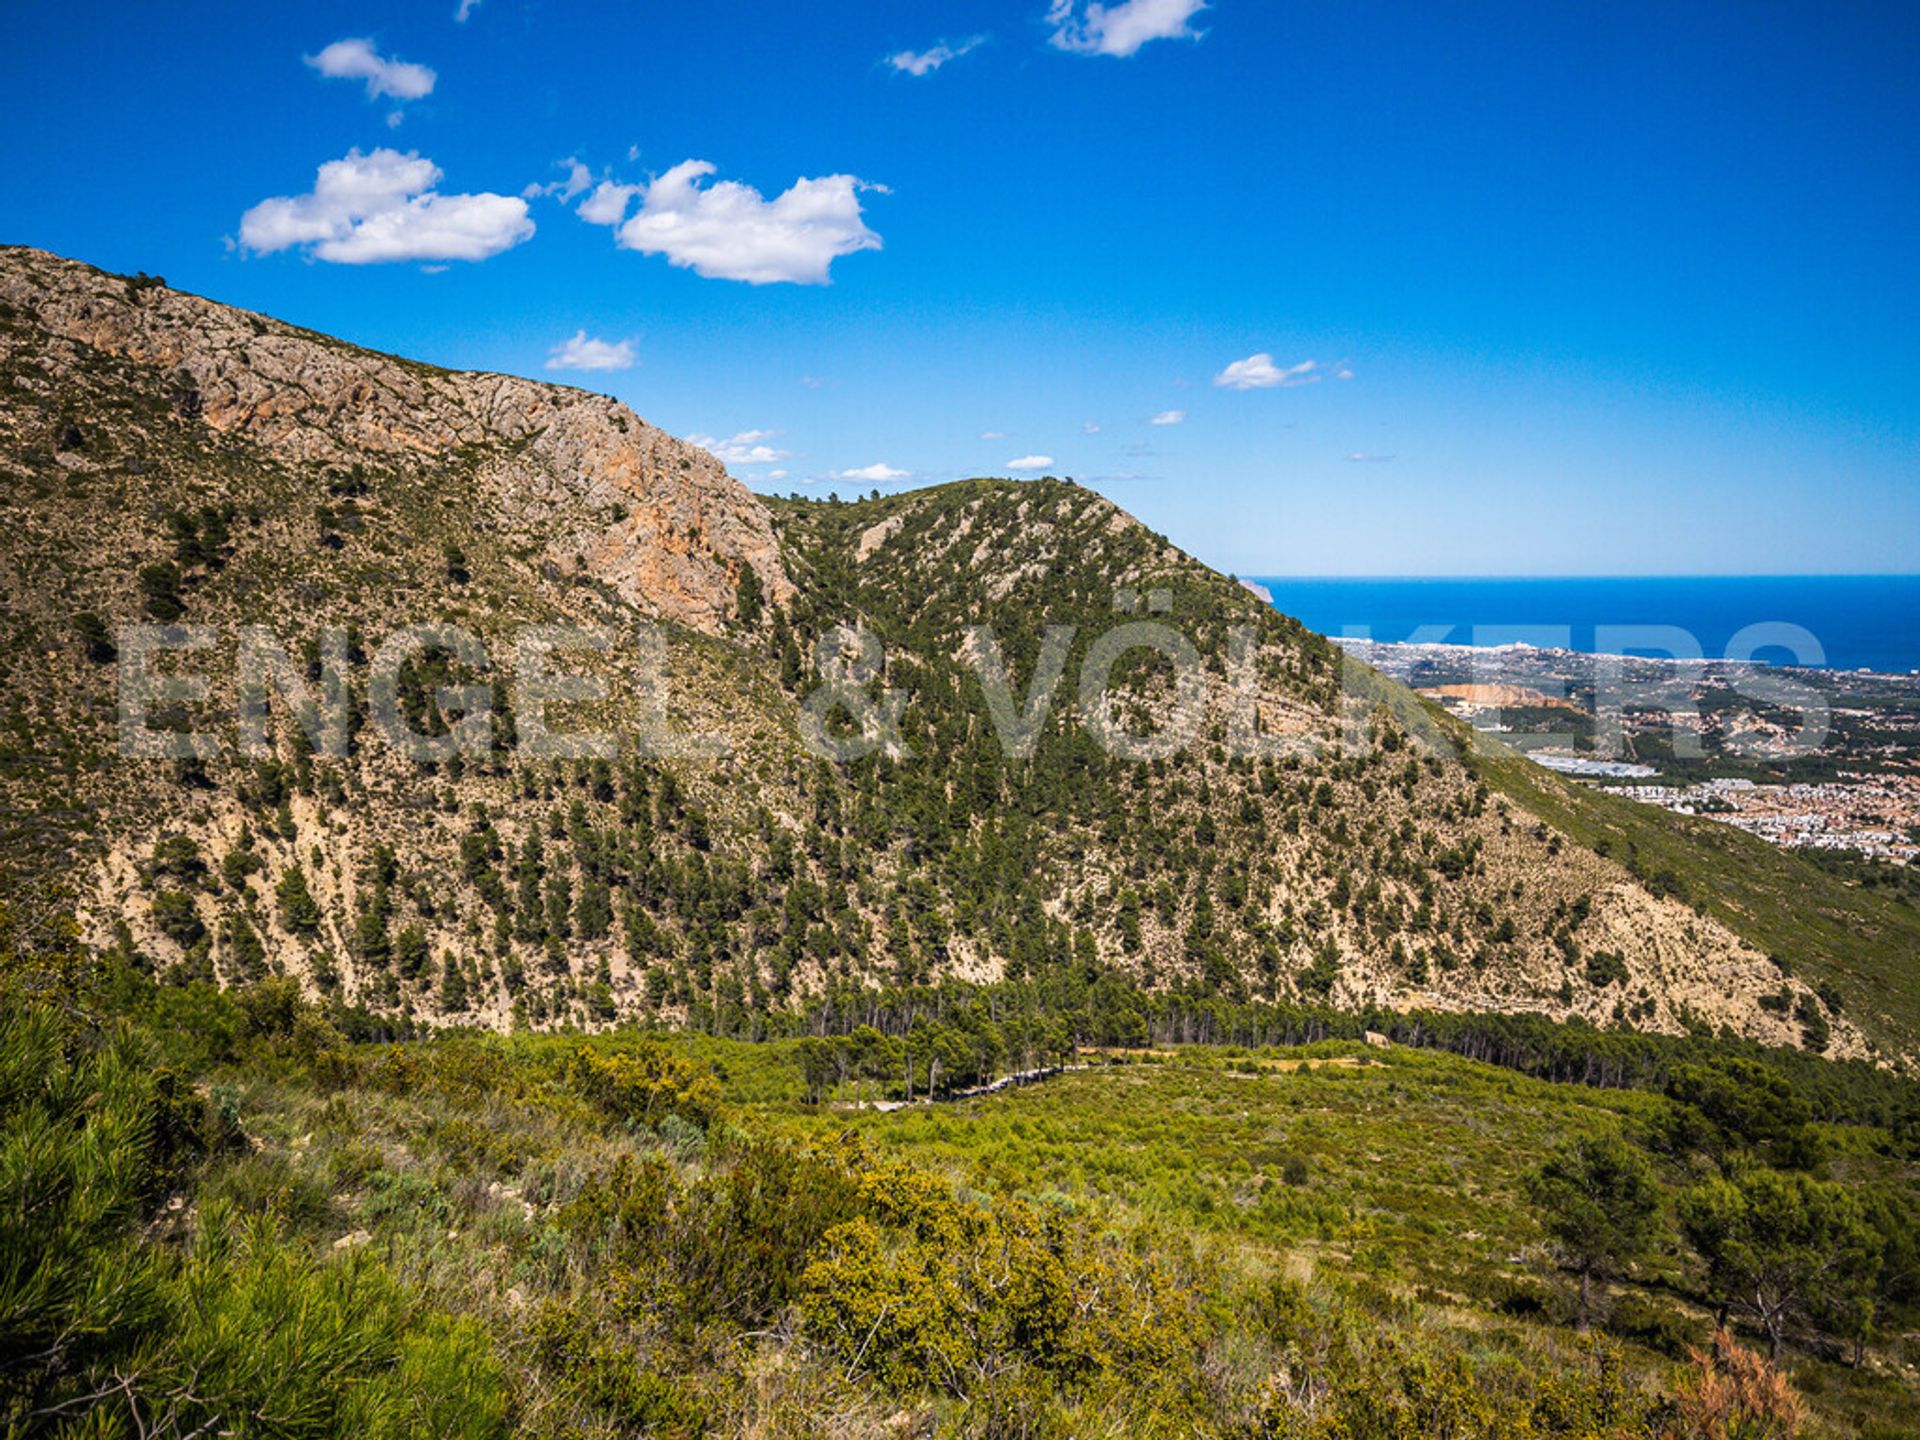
column 574, row 475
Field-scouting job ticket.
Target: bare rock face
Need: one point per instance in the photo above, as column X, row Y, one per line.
column 577, row 476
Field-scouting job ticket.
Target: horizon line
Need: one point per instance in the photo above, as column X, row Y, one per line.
column 1600, row 575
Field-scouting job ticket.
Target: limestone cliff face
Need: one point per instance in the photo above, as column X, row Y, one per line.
column 576, row 477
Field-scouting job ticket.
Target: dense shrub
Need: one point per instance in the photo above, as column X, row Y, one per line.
column 642, row 1084
column 243, row 1333
column 926, row 1288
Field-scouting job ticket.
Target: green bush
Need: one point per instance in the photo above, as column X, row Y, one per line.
column 1656, row 1326
column 642, row 1084
column 76, row 1163
column 176, row 917
column 244, row 1333
column 275, row 1342
column 926, row 1289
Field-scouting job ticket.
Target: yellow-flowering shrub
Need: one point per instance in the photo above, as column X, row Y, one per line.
column 928, row 1289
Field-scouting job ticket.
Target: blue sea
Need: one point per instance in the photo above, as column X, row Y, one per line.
column 1840, row 622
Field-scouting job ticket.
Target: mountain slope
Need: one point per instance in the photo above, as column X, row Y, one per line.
column 168, row 459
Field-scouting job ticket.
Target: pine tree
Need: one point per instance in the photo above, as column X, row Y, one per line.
column 748, row 598
column 298, row 912
column 410, row 953
column 1598, row 1200
column 453, row 986
column 1782, row 1248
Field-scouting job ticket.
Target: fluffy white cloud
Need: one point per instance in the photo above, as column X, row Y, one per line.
column 358, row 60
column 1031, row 462
column 874, row 472
column 364, row 209
column 729, row 231
column 584, row 352
column 607, row 205
column 1087, row 27
column 466, row 8
column 1168, row 417
column 1258, row 372
column 925, row 62
column 749, row 447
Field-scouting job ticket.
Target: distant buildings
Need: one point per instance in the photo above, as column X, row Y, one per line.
column 1877, row 815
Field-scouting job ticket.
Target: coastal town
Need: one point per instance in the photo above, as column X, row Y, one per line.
column 1877, row 816
column 1837, row 769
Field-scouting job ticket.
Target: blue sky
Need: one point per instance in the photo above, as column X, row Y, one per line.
column 1620, row 288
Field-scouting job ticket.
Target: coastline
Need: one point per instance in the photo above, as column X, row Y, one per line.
column 1859, row 623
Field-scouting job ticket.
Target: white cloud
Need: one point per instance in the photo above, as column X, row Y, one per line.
column 993, row 434
column 1362, row 457
column 1031, row 462
column 776, row 474
column 1258, row 372
column 729, row 231
column 584, row 352
column 466, row 9
column 1090, row 427
column 358, row 60
column 578, row 178
column 1087, row 27
column 365, row 209
column 874, row 472
column 925, row 62
column 607, row 205
column 1168, row 417
column 749, row 447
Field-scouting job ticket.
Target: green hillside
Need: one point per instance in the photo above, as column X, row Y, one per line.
column 1860, row 945
column 235, row 1217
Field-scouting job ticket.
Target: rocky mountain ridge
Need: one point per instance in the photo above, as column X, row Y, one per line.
column 169, row 458
column 605, row 494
